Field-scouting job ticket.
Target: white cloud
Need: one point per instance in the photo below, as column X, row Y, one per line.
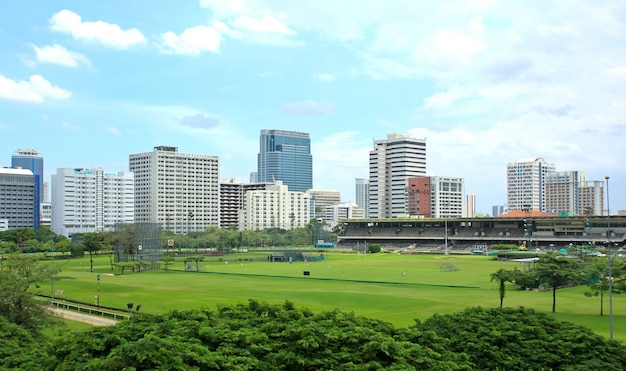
column 326, row 77
column 224, row 8
column 455, row 43
column 107, row 34
column 265, row 24
column 35, row 90
column 57, row 54
column 445, row 99
column 192, row 41
column 70, row 127
column 113, row 130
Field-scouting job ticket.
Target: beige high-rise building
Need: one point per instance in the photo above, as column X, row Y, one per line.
column 180, row 191
column 320, row 199
column 274, row 207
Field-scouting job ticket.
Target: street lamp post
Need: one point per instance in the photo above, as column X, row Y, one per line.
column 52, row 277
column 608, row 237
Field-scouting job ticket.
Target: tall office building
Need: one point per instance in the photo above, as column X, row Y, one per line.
column 362, row 194
column 180, row 191
column 286, row 156
column 320, row 199
column 497, row 210
column 436, row 197
column 562, row 191
column 591, row 198
column 526, row 184
column 31, row 159
column 391, row 163
column 17, row 198
column 419, row 197
column 90, row 200
column 274, row 207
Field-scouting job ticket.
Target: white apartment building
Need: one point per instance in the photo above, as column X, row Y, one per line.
column 232, row 192
column 274, row 207
column 347, row 210
column 446, row 197
column 320, row 199
column 391, row 163
column 362, row 194
column 180, row 191
column 526, row 184
column 90, row 200
column 17, row 198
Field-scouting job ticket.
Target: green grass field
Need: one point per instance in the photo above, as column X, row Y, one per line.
column 391, row 287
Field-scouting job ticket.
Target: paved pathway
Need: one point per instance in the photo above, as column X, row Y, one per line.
column 86, row 318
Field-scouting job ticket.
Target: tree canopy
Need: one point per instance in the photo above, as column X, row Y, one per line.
column 260, row 336
column 17, row 304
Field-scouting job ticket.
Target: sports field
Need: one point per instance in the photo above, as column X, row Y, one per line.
column 391, row 287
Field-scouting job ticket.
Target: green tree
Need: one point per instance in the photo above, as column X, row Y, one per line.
column 92, row 243
column 17, row 304
column 167, row 260
column 252, row 336
column 558, row 271
column 373, row 248
column 125, row 265
column 523, row 339
column 598, row 278
column 22, row 349
column 502, row 276
column 195, row 258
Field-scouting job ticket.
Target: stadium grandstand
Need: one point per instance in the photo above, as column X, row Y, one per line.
column 531, row 229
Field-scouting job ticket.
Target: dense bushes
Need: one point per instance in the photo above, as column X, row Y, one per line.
column 259, row 336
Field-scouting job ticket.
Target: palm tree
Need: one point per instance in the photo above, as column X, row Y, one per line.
column 503, row 276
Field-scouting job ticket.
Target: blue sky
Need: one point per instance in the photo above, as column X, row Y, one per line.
column 486, row 82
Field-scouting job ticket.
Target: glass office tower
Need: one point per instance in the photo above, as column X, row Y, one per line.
column 286, row 156
column 31, row 160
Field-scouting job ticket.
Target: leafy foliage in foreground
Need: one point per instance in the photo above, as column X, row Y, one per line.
column 255, row 336
column 515, row 339
column 259, row 336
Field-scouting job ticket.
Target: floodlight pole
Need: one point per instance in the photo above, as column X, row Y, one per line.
column 608, row 237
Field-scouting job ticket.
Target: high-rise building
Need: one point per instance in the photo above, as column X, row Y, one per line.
column 286, row 156
column 180, row 191
column 91, row 200
column 391, row 163
column 31, row 159
column 274, row 207
column 320, row 199
column 591, row 198
column 232, row 194
column 562, row 191
column 333, row 214
column 497, row 210
column 436, row 197
column 362, row 194
column 17, row 198
column 526, row 184
column 419, row 196
column 469, row 210
column 569, row 193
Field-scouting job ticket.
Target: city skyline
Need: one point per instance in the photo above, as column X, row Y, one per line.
column 485, row 83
